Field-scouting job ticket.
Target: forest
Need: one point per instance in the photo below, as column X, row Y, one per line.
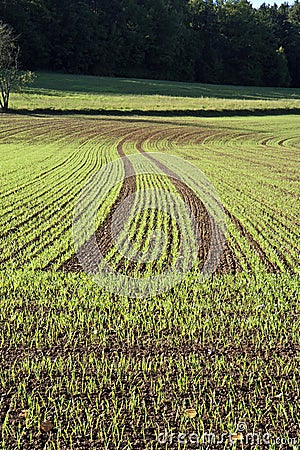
column 223, row 42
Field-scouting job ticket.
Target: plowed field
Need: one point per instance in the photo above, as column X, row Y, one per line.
column 111, row 372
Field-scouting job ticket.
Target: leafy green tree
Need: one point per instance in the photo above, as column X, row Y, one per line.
column 292, row 47
column 208, row 41
column 11, row 77
column 279, row 68
column 242, row 53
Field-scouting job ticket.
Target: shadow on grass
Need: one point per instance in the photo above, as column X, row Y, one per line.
column 158, row 113
column 58, row 84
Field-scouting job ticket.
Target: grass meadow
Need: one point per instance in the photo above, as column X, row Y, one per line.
column 88, row 94
column 86, row 368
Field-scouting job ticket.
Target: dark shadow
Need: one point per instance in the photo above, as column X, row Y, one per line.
column 60, row 85
column 157, row 113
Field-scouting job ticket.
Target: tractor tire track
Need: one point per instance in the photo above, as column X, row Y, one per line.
column 228, row 263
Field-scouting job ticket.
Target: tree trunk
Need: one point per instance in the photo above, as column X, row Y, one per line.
column 6, row 104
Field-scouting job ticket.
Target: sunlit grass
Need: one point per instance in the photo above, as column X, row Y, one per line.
column 75, row 93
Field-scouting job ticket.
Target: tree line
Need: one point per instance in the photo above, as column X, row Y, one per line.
column 226, row 42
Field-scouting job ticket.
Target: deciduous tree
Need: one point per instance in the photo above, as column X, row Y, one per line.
column 11, row 77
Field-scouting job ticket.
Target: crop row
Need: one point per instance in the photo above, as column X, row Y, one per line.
column 36, row 214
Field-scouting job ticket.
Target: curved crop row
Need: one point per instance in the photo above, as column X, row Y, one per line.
column 37, row 213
